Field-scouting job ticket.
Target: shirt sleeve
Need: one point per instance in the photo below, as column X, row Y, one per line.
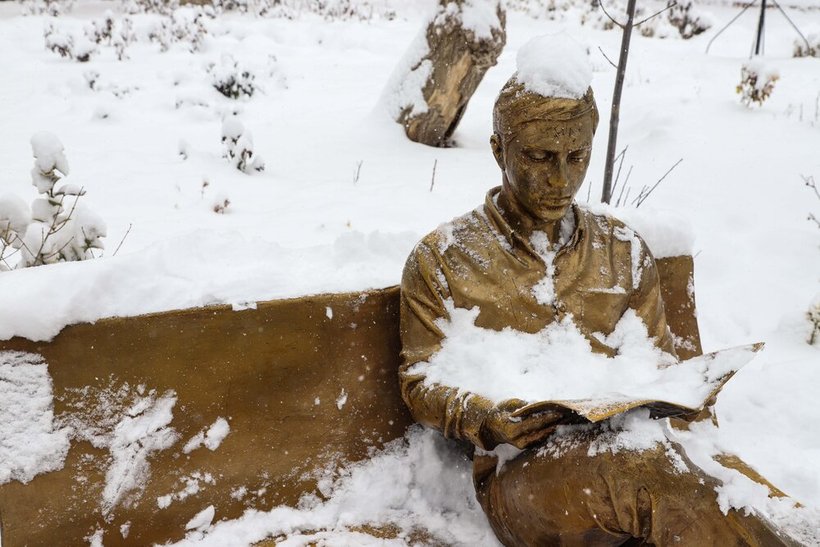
column 456, row 413
column 648, row 303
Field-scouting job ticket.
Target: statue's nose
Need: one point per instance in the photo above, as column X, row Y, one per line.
column 558, row 177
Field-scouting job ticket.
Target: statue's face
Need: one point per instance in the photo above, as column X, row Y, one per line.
column 544, row 164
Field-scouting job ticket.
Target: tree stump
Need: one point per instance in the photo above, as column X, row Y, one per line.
column 442, row 69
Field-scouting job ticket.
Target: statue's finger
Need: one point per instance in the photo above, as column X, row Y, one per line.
column 534, row 437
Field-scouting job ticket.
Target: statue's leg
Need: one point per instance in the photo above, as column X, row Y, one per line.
column 562, row 496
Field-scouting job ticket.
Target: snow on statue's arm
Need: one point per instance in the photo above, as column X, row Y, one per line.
column 456, row 413
column 646, row 299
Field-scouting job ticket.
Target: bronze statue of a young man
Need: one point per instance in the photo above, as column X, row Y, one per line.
column 497, row 257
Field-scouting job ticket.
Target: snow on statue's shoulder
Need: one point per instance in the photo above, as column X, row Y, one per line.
column 665, row 232
column 554, row 65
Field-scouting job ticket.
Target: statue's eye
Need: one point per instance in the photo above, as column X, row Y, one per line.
column 579, row 156
column 538, row 155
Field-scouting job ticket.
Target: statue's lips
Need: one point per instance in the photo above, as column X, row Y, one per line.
column 556, row 203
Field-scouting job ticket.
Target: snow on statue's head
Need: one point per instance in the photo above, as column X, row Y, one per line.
column 552, row 82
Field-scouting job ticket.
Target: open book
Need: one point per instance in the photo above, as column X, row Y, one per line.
column 717, row 368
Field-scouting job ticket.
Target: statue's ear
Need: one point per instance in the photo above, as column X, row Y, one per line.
column 498, row 150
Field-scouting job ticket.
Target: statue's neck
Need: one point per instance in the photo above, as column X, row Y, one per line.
column 522, row 221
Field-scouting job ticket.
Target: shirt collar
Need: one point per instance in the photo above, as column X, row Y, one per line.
column 514, row 238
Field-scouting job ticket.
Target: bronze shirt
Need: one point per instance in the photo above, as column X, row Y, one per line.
column 479, row 260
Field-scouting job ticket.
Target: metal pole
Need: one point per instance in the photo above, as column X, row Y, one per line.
column 760, row 24
column 729, row 24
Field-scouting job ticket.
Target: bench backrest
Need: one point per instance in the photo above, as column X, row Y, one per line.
column 304, row 383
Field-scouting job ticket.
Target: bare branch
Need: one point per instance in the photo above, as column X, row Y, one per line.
column 614, row 22
column 642, row 196
column 433, row 178
column 60, row 250
column 23, row 245
column 670, row 6
column 128, row 231
column 358, row 172
column 54, row 229
column 623, row 186
column 607, row 58
column 811, row 184
column 622, row 155
column 3, row 247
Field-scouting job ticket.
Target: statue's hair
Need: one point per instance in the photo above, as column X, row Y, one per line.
column 516, row 105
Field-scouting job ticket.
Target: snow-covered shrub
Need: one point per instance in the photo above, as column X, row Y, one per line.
column 813, row 316
column 242, row 6
column 59, row 42
column 15, row 216
column 56, row 227
column 232, row 80
column 183, row 25
column 756, row 82
column 812, row 49
column 101, row 31
column 238, row 144
column 123, row 37
column 587, row 12
column 685, row 16
column 162, row 7
column 328, row 9
column 47, row 7
column 220, row 204
column 65, row 45
column 117, row 33
column 682, row 19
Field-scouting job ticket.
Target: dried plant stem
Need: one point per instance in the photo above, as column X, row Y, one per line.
column 128, row 231
column 355, row 177
column 645, row 192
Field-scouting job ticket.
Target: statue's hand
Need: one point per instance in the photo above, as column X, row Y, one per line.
column 501, row 426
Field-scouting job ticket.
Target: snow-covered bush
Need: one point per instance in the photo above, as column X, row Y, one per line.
column 65, row 45
column 102, row 30
column 183, row 25
column 47, row 7
column 810, row 49
column 682, row 18
column 231, row 80
column 162, row 7
column 329, row 9
column 117, row 33
column 242, row 6
column 220, row 204
column 238, row 144
column 15, row 217
column 813, row 316
column 756, row 82
column 56, row 227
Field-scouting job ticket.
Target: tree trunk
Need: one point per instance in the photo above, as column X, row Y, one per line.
column 458, row 53
column 615, row 113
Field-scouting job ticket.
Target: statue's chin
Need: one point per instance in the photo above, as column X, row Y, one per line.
column 547, row 213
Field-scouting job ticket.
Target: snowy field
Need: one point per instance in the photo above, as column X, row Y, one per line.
column 344, row 196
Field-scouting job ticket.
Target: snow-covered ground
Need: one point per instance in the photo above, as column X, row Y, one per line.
column 344, row 195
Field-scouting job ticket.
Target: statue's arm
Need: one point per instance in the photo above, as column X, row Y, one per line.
column 648, row 302
column 456, row 413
